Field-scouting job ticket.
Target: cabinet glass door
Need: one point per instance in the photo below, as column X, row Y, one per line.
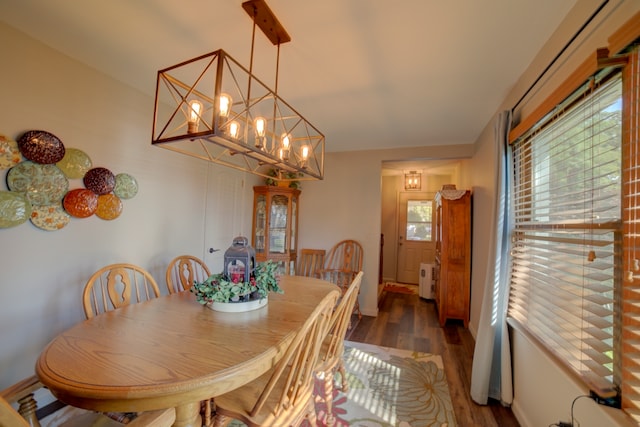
column 278, row 224
column 294, row 225
column 261, row 222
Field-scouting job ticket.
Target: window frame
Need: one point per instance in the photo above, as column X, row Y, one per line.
column 627, row 294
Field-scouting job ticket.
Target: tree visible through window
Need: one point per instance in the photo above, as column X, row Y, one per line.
column 419, row 220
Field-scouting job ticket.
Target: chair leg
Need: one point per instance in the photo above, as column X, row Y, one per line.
column 328, row 397
column 220, row 420
column 207, row 418
column 312, row 417
column 343, row 376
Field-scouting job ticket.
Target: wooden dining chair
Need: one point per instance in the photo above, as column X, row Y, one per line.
column 183, row 270
column 117, row 285
column 332, row 350
column 310, row 261
column 22, row 395
column 283, row 396
column 342, row 264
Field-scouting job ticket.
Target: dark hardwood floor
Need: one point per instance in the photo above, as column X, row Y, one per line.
column 409, row 322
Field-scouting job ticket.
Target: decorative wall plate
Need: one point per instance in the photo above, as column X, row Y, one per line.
column 15, row 208
column 9, row 153
column 99, row 180
column 126, row 186
column 50, row 218
column 109, row 206
column 41, row 147
column 75, row 163
column 44, row 184
column 81, row 203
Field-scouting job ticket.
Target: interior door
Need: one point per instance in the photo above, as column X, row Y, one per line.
column 416, row 243
column 224, row 218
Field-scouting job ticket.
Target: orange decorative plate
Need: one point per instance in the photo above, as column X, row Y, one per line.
column 109, row 206
column 81, row 203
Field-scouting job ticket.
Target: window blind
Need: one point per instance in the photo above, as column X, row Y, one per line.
column 630, row 352
column 567, row 236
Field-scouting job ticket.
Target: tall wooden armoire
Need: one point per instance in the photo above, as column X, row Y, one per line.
column 453, row 254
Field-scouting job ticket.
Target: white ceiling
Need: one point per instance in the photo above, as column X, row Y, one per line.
column 369, row 74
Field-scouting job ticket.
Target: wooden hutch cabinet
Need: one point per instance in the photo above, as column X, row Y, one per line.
column 275, row 225
column 453, row 255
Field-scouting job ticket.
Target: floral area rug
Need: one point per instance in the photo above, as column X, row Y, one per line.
column 401, row 288
column 388, row 387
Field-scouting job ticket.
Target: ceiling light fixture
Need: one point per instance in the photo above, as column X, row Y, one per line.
column 212, row 108
column 412, row 180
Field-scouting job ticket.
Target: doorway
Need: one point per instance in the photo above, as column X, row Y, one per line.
column 404, row 268
column 416, row 242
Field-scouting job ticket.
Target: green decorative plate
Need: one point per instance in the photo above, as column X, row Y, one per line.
column 44, row 184
column 75, row 163
column 15, row 209
column 126, row 186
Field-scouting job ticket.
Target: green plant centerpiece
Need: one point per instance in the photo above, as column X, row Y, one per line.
column 221, row 293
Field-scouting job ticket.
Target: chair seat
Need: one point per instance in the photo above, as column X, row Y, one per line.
column 233, row 405
column 283, row 396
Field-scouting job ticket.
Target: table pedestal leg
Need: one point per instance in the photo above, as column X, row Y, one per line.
column 188, row 415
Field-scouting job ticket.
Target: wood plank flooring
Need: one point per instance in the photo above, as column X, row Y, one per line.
column 409, row 322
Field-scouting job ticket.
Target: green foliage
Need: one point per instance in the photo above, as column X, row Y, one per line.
column 219, row 288
column 282, row 175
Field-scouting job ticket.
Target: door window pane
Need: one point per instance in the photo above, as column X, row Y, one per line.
column 419, row 219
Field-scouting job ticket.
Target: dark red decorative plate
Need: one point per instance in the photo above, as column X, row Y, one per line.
column 81, row 203
column 100, row 180
column 41, row 147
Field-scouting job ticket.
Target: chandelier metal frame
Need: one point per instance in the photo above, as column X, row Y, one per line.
column 212, row 108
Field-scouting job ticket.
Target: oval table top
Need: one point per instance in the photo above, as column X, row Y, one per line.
column 172, row 351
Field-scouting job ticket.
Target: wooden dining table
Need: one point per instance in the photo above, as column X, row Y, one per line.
column 173, row 352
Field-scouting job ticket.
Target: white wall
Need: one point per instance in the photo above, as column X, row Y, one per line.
column 42, row 273
column 542, row 391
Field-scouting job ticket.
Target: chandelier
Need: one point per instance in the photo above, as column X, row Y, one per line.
column 412, row 180
column 212, row 108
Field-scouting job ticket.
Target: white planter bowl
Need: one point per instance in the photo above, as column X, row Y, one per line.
column 238, row 307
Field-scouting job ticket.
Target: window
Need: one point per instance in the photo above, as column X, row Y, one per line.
column 419, row 220
column 566, row 282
